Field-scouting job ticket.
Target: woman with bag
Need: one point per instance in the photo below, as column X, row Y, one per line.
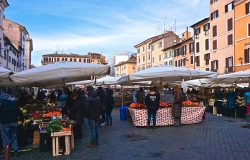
column 177, row 106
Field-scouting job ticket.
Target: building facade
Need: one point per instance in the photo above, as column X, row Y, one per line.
column 150, row 52
column 3, row 5
column 17, row 34
column 95, row 58
column 201, row 44
column 242, row 35
column 183, row 55
column 116, row 58
column 126, row 67
column 222, row 36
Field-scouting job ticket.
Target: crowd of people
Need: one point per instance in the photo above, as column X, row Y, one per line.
column 94, row 105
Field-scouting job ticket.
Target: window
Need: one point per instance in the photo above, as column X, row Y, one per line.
column 143, row 68
column 247, row 55
column 70, row 60
column 74, row 59
column 143, row 48
column 229, row 7
column 138, row 50
column 153, row 47
column 206, row 28
column 170, row 63
column 230, row 24
column 214, row 44
column 124, row 67
column 117, row 69
column 197, row 47
column 215, row 15
column 138, row 60
column 213, row 1
column 10, row 25
column 148, row 46
column 153, row 59
column 197, row 32
column 229, row 64
column 133, row 67
column 66, row 59
column 248, row 29
column 230, row 39
column 5, row 55
column 159, row 57
column 197, row 60
column 184, row 62
column 170, row 54
column 80, row 60
column 214, row 31
column 148, row 56
column 165, row 63
column 207, row 58
column 214, row 65
column 191, row 59
column 58, row 59
column 175, row 63
column 165, row 55
column 184, row 50
column 159, row 44
column 206, row 44
column 191, row 47
column 247, row 7
column 143, row 58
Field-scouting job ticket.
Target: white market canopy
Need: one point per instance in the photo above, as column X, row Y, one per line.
column 85, row 82
column 167, row 73
column 108, row 80
column 236, row 77
column 59, row 73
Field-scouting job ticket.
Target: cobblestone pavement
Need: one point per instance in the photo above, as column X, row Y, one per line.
column 215, row 138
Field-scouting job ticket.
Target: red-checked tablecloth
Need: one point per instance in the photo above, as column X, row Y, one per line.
column 164, row 116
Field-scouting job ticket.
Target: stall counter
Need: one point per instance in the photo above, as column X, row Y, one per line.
column 164, row 117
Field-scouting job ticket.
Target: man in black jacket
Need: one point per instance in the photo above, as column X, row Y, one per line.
column 9, row 113
column 93, row 111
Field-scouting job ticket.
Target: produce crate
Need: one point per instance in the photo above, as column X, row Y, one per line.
column 45, row 143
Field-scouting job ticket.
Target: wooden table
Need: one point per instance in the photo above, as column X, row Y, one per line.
column 69, row 142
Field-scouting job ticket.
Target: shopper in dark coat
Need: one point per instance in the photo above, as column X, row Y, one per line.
column 76, row 113
column 103, row 96
column 69, row 101
column 140, row 96
column 109, row 107
column 152, row 104
column 177, row 106
column 219, row 95
column 9, row 113
column 231, row 97
column 93, row 111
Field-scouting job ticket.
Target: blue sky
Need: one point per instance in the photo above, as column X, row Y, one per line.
column 102, row 26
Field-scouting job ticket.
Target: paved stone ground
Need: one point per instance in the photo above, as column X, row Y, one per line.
column 216, row 138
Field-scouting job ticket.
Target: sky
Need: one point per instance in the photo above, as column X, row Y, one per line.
column 101, row 26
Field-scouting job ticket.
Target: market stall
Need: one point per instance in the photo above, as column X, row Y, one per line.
column 164, row 117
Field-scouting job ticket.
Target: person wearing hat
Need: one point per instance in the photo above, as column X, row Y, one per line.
column 247, row 100
column 93, row 111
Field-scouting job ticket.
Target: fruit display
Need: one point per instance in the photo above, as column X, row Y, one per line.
column 53, row 113
column 189, row 103
column 164, row 105
column 137, row 105
column 240, row 102
column 126, row 97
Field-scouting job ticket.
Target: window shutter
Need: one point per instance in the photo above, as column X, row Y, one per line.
column 232, row 61
column 212, row 65
column 204, row 27
column 199, row 30
column 226, row 9
column 248, row 29
column 211, row 16
column 214, row 44
column 214, row 31
column 205, row 57
column 246, row 56
column 211, row 1
column 229, row 24
column 230, row 39
column 185, row 50
column 247, row 8
column 232, row 5
column 189, row 47
column 226, row 62
column 217, row 64
column 217, row 13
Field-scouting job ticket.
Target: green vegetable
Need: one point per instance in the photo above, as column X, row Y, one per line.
column 54, row 127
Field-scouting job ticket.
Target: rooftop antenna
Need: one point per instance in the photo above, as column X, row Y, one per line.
column 175, row 24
